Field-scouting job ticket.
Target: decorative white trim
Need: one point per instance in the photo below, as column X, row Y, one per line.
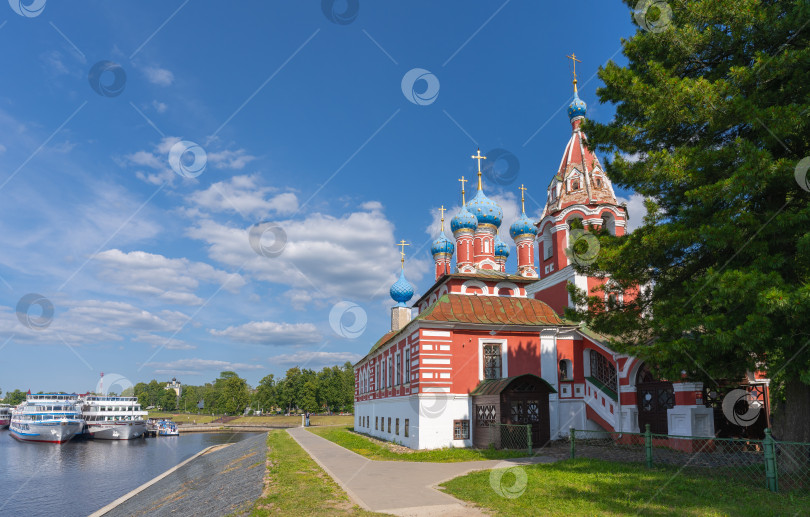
column 435, row 333
column 678, row 387
column 504, row 356
column 474, row 283
column 506, row 285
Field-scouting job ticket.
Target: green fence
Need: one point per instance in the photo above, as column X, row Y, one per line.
column 778, row 466
column 511, row 436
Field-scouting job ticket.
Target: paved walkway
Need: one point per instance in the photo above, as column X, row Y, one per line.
column 402, row 488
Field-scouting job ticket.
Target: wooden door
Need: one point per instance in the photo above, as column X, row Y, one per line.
column 654, row 398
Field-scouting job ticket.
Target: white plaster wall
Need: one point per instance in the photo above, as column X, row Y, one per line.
column 436, row 420
column 571, row 414
column 548, row 371
column 395, row 407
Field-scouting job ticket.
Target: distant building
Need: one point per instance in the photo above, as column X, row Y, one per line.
column 174, row 385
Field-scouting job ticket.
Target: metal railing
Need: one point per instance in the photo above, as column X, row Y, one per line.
column 776, row 465
column 511, row 436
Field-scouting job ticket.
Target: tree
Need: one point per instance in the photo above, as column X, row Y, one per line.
column 14, row 397
column 233, row 392
column 712, row 119
column 266, row 397
column 308, row 399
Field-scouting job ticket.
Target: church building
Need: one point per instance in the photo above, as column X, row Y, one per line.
column 485, row 346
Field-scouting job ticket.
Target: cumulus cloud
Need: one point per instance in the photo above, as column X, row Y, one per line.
column 173, row 281
column 314, row 359
column 245, row 196
column 157, row 158
column 351, row 257
column 91, row 321
column 166, row 342
column 271, row 333
column 196, row 366
column 158, row 76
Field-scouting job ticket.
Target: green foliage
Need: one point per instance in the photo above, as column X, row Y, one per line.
column 297, row 485
column 330, row 389
column 712, row 117
column 14, row 397
column 593, row 487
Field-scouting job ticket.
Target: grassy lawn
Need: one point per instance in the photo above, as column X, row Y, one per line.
column 182, row 418
column 292, row 421
column 378, row 450
column 593, row 487
column 296, row 485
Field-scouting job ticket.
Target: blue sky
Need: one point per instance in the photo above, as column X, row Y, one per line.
column 303, row 125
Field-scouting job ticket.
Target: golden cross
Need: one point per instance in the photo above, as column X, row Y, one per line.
column 463, row 181
column 522, row 197
column 479, row 158
column 402, row 245
column 442, row 210
column 574, row 61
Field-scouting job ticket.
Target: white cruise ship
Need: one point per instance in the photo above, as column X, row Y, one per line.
column 5, row 415
column 47, row 417
column 113, row 418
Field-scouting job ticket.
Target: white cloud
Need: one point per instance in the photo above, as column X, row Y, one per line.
column 195, row 366
column 245, row 196
column 230, row 159
column 166, row 342
column 636, row 210
column 158, row 76
column 271, row 333
column 351, row 257
column 160, row 107
column 90, row 321
column 173, row 281
column 315, row 359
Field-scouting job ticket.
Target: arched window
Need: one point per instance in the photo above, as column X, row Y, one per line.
column 566, row 372
column 609, row 223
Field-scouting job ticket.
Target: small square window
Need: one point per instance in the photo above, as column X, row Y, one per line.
column 406, row 427
column 397, row 427
column 461, row 429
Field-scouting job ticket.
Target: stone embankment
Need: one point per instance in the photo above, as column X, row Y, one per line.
column 222, row 480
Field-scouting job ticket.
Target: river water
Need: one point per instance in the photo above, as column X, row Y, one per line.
column 80, row 477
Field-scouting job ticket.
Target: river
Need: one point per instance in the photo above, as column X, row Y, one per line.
column 79, row 477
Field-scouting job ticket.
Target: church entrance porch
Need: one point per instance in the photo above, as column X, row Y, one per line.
column 654, row 398
column 519, row 400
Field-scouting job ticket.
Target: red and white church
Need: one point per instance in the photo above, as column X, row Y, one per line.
column 485, row 346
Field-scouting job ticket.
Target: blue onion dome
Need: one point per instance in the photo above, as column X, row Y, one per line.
column 577, row 108
column 442, row 245
column 501, row 248
column 463, row 219
column 402, row 290
column 485, row 210
column 523, row 226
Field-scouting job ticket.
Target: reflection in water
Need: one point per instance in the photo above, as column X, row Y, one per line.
column 79, row 477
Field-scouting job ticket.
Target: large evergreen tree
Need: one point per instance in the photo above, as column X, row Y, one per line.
column 712, row 125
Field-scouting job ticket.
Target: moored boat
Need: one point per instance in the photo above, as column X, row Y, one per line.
column 167, row 428
column 5, row 415
column 113, row 418
column 47, row 417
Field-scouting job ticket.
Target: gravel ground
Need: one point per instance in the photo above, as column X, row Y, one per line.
column 223, row 482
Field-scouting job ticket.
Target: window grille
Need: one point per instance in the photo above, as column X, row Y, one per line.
column 603, row 370
column 492, row 362
column 485, row 414
column 407, row 365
